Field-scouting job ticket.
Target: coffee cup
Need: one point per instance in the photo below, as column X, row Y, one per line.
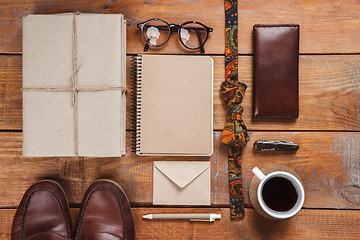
column 279, row 194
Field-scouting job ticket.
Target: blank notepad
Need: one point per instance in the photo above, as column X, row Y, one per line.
column 175, row 107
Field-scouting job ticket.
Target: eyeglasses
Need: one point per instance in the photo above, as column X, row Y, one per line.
column 156, row 32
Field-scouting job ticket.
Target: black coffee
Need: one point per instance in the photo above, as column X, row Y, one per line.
column 279, row 194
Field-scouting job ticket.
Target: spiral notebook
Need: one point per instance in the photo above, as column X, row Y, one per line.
column 174, row 105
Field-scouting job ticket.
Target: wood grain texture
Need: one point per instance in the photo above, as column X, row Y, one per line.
column 329, row 95
column 10, row 94
column 307, row 224
column 327, row 163
column 326, row 26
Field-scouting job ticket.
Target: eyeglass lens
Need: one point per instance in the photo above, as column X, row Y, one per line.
column 156, row 32
column 193, row 35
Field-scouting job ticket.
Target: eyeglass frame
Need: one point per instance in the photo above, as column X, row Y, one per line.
column 171, row 27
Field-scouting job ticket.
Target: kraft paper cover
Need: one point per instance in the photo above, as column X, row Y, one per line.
column 176, row 105
column 48, row 115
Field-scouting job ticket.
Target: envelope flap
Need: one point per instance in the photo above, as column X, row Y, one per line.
column 181, row 173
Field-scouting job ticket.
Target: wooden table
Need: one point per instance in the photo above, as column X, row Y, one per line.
column 327, row 130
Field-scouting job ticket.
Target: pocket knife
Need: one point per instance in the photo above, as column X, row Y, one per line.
column 266, row 145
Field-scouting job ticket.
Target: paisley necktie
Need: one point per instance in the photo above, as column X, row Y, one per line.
column 232, row 92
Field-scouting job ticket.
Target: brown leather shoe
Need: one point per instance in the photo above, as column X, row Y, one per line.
column 105, row 213
column 43, row 214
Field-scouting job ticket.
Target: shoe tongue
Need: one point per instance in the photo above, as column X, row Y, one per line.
column 47, row 236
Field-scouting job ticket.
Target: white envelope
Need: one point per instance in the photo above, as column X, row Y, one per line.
column 181, row 183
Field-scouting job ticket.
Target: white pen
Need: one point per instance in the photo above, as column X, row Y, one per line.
column 206, row 217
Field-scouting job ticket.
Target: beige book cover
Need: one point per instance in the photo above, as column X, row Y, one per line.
column 74, row 109
column 175, row 105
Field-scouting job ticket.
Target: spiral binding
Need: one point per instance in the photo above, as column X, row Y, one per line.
column 136, row 65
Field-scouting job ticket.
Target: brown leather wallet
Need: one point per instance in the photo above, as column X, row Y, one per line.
column 276, row 70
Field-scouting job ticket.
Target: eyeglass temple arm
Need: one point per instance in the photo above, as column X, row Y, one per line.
column 146, row 47
column 202, row 49
column 197, row 30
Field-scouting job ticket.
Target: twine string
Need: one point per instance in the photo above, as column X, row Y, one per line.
column 74, row 84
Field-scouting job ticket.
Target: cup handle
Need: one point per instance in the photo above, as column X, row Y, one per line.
column 258, row 173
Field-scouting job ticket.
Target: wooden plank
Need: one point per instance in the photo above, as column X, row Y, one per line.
column 329, row 89
column 75, row 174
column 329, row 95
column 10, row 94
column 135, row 11
column 307, row 224
column 327, row 163
column 326, row 26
